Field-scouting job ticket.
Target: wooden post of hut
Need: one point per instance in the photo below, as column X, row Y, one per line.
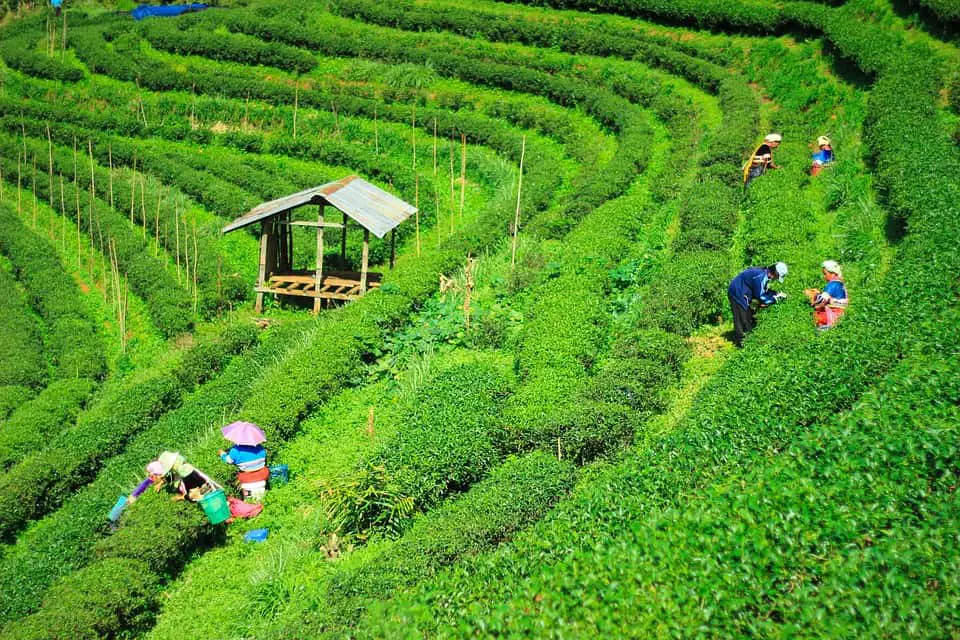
column 374, row 209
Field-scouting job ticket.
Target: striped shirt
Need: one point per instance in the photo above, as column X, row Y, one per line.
column 247, row 457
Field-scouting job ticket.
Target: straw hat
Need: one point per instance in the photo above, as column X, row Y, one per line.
column 773, row 137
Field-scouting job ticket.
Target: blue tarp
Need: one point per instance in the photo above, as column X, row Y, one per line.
column 165, row 11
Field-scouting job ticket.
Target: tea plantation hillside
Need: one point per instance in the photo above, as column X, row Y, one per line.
column 537, row 425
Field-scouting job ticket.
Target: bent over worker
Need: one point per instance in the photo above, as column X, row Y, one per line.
column 751, row 284
column 822, row 157
column 762, row 159
column 829, row 304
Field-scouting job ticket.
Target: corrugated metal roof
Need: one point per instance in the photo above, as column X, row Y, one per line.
column 371, row 207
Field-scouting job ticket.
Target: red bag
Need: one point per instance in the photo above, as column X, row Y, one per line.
column 240, row 509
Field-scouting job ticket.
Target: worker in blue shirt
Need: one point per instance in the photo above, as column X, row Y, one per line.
column 56, row 4
column 822, row 157
column 751, row 284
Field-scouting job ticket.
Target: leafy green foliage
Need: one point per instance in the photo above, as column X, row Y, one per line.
column 75, row 610
column 45, row 479
column 21, row 355
column 71, row 339
column 39, row 420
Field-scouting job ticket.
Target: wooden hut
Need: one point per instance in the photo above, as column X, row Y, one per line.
column 373, row 209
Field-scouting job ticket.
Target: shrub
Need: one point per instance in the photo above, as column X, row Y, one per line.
column 11, row 397
column 73, row 610
column 71, row 340
column 43, row 480
column 516, row 493
column 21, row 355
column 41, row 419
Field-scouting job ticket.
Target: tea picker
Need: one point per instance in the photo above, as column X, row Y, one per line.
column 749, row 285
column 761, row 159
column 249, row 456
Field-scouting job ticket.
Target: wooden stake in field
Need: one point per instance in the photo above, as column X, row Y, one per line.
column 110, row 161
column 376, row 133
column 133, row 186
column 467, row 291
column 50, row 165
column 93, row 189
column 33, row 189
column 19, row 184
column 436, row 206
column 370, row 426
column 143, row 207
column 336, row 119
column 196, row 262
column 156, row 222
column 296, row 105
column 1, row 182
column 434, row 148
column 63, row 216
column 453, row 202
column 176, row 227
column 186, row 252
column 63, row 44
column 463, row 171
column 516, row 217
column 119, row 295
column 141, row 111
column 416, row 177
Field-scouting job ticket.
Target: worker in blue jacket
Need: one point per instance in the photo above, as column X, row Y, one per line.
column 749, row 285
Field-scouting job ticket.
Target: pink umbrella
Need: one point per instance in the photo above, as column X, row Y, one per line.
column 243, row 433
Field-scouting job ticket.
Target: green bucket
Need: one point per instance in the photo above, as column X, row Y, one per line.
column 214, row 504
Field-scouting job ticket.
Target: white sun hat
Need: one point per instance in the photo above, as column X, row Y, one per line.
column 832, row 266
column 773, row 137
column 781, row 269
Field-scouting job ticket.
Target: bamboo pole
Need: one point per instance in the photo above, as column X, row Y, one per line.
column 176, row 227
column 186, row 252
column 110, row 160
column 133, row 187
column 296, row 106
column 336, row 119
column 63, row 44
column 416, row 176
column 93, row 190
column 63, row 217
column 1, row 183
column 463, row 171
column 453, row 202
column 33, row 189
column 156, row 224
column 376, row 133
column 143, row 207
column 436, row 206
column 516, row 217
column 196, row 262
column 19, row 185
column 76, row 195
column 50, row 165
column 370, row 424
column 468, row 291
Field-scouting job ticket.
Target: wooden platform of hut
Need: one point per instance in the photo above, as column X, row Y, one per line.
column 371, row 208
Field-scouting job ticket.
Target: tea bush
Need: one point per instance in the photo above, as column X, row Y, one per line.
column 71, row 340
column 39, row 420
column 21, row 356
column 45, row 479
